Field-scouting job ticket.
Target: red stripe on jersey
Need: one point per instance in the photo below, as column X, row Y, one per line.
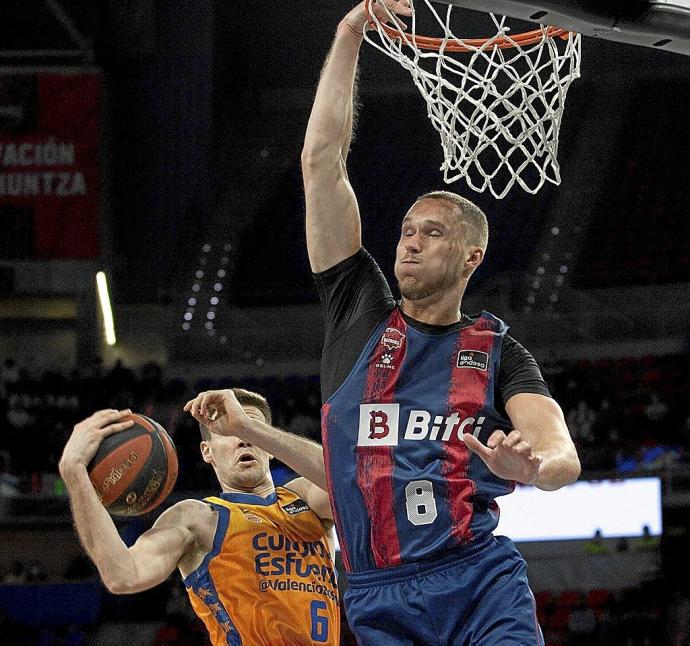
column 467, row 396
column 325, row 411
column 375, row 463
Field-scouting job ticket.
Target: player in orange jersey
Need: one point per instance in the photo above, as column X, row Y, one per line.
column 257, row 560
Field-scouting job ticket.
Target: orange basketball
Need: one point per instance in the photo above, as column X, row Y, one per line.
column 134, row 470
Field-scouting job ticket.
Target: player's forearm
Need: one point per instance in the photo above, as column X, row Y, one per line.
column 299, row 453
column 96, row 530
column 330, row 125
column 560, row 466
column 541, row 423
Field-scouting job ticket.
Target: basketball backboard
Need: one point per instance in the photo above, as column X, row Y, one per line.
column 659, row 24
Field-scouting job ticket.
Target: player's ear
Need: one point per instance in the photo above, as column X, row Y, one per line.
column 206, row 451
column 474, row 257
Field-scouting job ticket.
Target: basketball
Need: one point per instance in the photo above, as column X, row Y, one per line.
column 134, row 470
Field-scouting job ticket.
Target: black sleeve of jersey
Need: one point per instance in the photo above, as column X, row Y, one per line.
column 519, row 372
column 354, row 297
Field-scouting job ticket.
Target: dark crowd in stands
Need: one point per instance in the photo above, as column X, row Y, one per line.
column 625, row 415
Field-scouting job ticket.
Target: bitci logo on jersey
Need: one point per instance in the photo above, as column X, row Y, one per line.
column 378, row 424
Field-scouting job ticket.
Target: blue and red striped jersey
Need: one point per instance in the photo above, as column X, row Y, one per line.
column 403, row 484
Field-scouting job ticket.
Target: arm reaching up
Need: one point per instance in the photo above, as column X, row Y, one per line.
column 333, row 222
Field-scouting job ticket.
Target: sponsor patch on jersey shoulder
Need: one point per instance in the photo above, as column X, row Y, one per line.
column 296, row 507
column 392, row 338
column 473, row 359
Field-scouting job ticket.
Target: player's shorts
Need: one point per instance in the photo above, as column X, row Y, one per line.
column 476, row 596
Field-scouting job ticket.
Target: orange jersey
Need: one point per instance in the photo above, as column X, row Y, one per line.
column 270, row 578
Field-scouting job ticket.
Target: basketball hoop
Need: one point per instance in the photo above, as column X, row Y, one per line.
column 497, row 104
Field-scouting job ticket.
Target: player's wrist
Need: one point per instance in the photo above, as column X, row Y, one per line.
column 351, row 29
column 71, row 470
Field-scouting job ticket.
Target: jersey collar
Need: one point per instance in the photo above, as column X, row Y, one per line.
column 249, row 498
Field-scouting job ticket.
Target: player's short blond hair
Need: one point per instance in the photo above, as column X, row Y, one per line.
column 476, row 224
column 245, row 398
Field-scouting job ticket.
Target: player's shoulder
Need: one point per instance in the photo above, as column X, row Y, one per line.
column 297, row 488
column 192, row 514
column 310, row 496
column 497, row 323
column 361, row 258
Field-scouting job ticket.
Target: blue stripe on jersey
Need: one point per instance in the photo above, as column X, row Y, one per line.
column 202, row 584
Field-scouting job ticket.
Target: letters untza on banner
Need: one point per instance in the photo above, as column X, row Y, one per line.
column 50, row 164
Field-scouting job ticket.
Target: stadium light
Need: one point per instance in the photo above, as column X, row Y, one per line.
column 106, row 309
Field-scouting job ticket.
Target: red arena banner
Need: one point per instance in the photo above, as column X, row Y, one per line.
column 49, row 164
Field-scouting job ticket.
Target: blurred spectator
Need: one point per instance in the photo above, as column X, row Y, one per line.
column 35, row 573
column 16, row 574
column 659, row 456
column 580, row 421
column 9, row 373
column 647, row 542
column 596, row 544
column 656, row 410
column 17, row 415
column 9, row 483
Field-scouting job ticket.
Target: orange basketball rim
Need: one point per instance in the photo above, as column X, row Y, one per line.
column 432, row 43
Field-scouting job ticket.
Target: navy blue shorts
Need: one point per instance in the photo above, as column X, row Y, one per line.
column 477, row 596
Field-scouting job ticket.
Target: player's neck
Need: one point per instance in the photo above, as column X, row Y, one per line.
column 444, row 311
column 263, row 490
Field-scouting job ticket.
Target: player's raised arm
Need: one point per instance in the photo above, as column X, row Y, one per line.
column 333, row 222
column 155, row 554
column 220, row 412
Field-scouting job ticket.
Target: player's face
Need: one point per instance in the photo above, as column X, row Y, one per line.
column 430, row 253
column 239, row 464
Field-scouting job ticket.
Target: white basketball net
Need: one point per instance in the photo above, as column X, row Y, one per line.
column 498, row 110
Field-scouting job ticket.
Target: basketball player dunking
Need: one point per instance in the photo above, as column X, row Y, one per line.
column 256, row 560
column 429, row 414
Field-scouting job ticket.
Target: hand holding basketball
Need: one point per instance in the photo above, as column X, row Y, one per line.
column 130, row 460
column 88, row 434
column 507, row 456
column 219, row 411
